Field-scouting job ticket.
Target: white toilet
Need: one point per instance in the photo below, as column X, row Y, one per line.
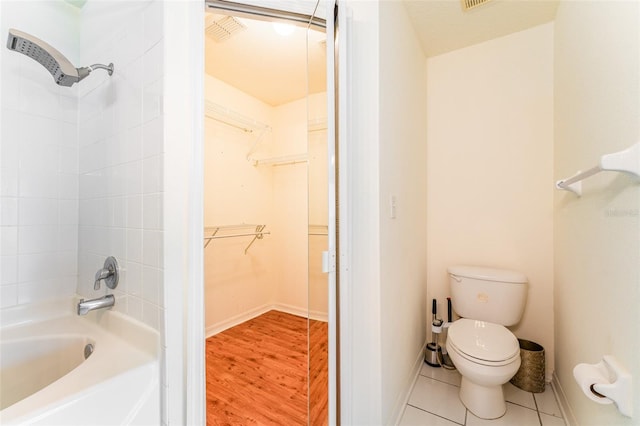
column 484, row 351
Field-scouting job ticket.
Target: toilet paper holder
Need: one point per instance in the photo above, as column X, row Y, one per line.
column 606, row 382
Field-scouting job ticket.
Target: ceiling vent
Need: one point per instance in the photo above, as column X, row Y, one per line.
column 223, row 28
column 470, row 4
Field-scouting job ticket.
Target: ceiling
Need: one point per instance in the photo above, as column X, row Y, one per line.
column 442, row 25
column 273, row 68
column 266, row 65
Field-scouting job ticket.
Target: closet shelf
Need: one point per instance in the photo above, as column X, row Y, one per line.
column 627, row 161
column 238, row 121
column 233, row 231
column 313, row 125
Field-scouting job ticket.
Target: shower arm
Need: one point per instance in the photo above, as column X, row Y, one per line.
column 83, row 72
column 109, row 67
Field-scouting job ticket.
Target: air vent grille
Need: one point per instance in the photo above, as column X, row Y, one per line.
column 221, row 29
column 470, row 4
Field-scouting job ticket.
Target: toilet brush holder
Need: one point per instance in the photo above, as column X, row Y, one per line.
column 433, row 354
column 433, row 351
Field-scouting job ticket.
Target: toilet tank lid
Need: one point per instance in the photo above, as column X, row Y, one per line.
column 489, row 274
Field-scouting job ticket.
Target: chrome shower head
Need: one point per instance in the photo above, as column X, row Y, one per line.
column 63, row 72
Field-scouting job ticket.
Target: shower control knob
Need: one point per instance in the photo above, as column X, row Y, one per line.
column 110, row 273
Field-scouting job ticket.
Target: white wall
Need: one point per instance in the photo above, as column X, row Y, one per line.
column 360, row 357
column 383, row 285
column 597, row 273
column 275, row 270
column 403, row 238
column 184, row 371
column 318, row 199
column 490, row 169
column 298, row 201
column 290, row 206
column 39, row 160
column 236, row 192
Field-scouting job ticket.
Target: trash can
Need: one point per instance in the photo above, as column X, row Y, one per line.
column 530, row 375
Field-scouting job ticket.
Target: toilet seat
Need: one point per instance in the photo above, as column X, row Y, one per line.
column 483, row 342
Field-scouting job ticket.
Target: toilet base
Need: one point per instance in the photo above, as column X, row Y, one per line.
column 486, row 402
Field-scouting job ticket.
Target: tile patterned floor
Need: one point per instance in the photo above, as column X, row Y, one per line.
column 434, row 402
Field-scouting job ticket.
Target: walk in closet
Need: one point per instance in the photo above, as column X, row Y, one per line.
column 266, row 224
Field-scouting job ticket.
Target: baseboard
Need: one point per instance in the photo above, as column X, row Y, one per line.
column 319, row 316
column 301, row 312
column 561, row 397
column 235, row 320
column 256, row 312
column 403, row 399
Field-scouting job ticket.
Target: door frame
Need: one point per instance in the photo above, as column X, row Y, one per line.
column 189, row 393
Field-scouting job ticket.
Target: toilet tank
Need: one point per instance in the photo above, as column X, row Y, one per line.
column 488, row 294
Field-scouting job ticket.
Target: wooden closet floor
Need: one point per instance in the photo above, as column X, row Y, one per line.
column 257, row 372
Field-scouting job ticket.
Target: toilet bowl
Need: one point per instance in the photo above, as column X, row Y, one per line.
column 483, row 350
column 487, row 356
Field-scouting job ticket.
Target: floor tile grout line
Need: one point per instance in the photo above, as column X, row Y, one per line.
column 550, row 414
column 438, row 380
column 520, row 405
column 537, row 409
column 438, row 415
column 535, row 401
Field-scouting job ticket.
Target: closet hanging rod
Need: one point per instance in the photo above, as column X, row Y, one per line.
column 283, row 160
column 627, row 161
column 258, row 234
column 238, row 226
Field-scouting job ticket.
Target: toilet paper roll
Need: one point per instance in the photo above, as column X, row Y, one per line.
column 587, row 375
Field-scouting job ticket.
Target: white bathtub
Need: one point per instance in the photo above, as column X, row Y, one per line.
column 46, row 380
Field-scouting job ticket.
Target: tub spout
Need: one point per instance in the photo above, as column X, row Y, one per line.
column 84, row 306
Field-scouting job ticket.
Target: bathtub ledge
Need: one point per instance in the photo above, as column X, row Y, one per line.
column 117, row 384
column 35, row 312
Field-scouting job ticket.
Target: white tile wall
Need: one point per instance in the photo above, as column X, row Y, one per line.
column 81, row 168
column 39, row 162
column 121, row 155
